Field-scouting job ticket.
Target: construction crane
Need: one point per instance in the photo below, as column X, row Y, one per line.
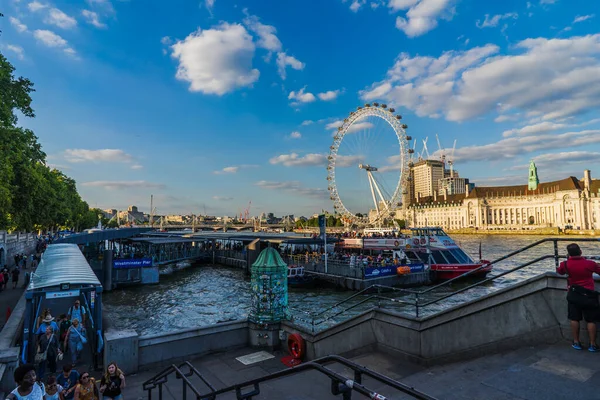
column 440, row 149
column 425, row 148
column 451, row 160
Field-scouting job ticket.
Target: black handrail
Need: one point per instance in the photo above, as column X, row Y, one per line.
column 162, row 377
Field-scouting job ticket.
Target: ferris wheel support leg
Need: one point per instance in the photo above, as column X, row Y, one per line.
column 387, row 207
column 370, row 177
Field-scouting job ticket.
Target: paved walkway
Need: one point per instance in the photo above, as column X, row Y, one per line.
column 532, row 373
column 9, row 297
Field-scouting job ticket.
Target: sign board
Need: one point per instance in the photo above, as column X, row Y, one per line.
column 58, row 295
column 126, row 263
column 382, row 271
column 416, row 267
column 353, row 243
column 383, row 243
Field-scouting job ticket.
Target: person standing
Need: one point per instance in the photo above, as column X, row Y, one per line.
column 48, row 344
column 582, row 299
column 27, row 389
column 86, row 389
column 15, row 276
column 53, row 389
column 77, row 311
column 113, row 381
column 68, row 381
column 48, row 321
column 75, row 337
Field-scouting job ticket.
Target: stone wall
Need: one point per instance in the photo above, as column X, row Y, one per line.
column 15, row 243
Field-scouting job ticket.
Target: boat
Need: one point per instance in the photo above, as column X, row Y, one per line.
column 297, row 278
column 445, row 258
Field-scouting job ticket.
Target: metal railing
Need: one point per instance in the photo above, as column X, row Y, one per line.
column 417, row 301
column 340, row 385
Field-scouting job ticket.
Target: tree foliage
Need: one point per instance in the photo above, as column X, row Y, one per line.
column 33, row 196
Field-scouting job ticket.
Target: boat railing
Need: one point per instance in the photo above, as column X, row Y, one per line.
column 419, row 299
column 250, row 389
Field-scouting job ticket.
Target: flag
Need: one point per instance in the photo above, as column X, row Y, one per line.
column 322, row 222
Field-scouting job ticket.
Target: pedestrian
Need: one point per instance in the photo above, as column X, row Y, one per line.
column 582, row 299
column 5, row 275
column 63, row 327
column 48, row 321
column 68, row 381
column 2, row 284
column 76, row 339
column 86, row 389
column 27, row 388
column 113, row 381
column 53, row 389
column 48, row 352
column 15, row 277
column 77, row 311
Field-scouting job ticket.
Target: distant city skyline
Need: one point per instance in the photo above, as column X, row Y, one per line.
column 130, row 115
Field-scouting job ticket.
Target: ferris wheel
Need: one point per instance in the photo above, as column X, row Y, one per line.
column 363, row 190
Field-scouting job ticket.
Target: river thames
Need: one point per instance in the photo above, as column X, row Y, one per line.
column 206, row 294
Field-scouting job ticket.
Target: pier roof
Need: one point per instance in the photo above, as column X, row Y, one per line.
column 99, row 235
column 163, row 240
column 62, row 263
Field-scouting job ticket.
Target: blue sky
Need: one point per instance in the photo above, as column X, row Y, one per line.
column 211, row 104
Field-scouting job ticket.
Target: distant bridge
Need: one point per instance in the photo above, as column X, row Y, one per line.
column 220, row 227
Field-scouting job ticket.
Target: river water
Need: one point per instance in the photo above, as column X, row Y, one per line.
column 206, row 295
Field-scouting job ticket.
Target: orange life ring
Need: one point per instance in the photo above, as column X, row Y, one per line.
column 296, row 346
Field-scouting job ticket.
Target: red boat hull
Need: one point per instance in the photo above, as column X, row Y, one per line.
column 444, row 272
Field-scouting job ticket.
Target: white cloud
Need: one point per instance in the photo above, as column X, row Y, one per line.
column 541, row 127
column 581, row 18
column 222, row 198
column 36, row 6
column 422, row 15
column 293, row 187
column 307, row 122
column 301, row 97
column 105, row 5
column 509, row 148
column 283, row 60
column 137, row 166
column 552, row 78
column 329, row 95
column 124, row 185
column 295, row 135
column 229, row 66
column 91, row 17
column 166, row 40
column 551, row 160
column 548, row 1
column 49, row 38
column 18, row 50
column 357, row 4
column 209, row 5
column 313, row 160
column 103, row 155
column 20, row 27
column 227, row 170
column 495, row 20
column 295, row 160
column 267, row 38
column 58, row 18
column 355, row 127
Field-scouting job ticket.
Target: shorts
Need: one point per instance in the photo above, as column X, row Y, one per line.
column 589, row 314
column 119, row 397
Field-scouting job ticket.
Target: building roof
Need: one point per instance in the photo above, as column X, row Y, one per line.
column 62, row 263
column 93, row 235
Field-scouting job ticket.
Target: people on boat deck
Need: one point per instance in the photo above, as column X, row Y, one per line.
column 582, row 299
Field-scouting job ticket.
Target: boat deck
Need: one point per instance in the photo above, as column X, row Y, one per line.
column 541, row 372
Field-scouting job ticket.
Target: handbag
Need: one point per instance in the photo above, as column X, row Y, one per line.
column 582, row 297
column 41, row 357
column 83, row 338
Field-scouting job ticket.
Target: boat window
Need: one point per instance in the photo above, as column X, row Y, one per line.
column 292, row 271
column 438, row 257
column 462, row 256
column 451, row 258
column 415, row 256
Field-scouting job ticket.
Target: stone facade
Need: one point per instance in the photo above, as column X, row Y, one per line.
column 569, row 203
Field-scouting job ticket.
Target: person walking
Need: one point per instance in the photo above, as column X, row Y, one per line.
column 582, row 299
column 86, row 389
column 48, row 321
column 27, row 388
column 53, row 389
column 113, row 381
column 48, row 347
column 68, row 381
column 77, row 311
column 76, row 339
column 15, row 276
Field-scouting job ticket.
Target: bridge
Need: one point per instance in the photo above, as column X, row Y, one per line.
column 219, row 226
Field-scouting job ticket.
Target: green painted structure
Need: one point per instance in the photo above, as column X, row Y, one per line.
column 534, row 181
column 269, row 288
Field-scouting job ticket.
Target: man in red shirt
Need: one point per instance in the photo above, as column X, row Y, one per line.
column 580, row 272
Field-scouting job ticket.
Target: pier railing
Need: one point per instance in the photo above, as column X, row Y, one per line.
column 417, row 300
column 250, row 389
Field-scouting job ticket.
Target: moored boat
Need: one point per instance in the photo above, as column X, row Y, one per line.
column 297, row 278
